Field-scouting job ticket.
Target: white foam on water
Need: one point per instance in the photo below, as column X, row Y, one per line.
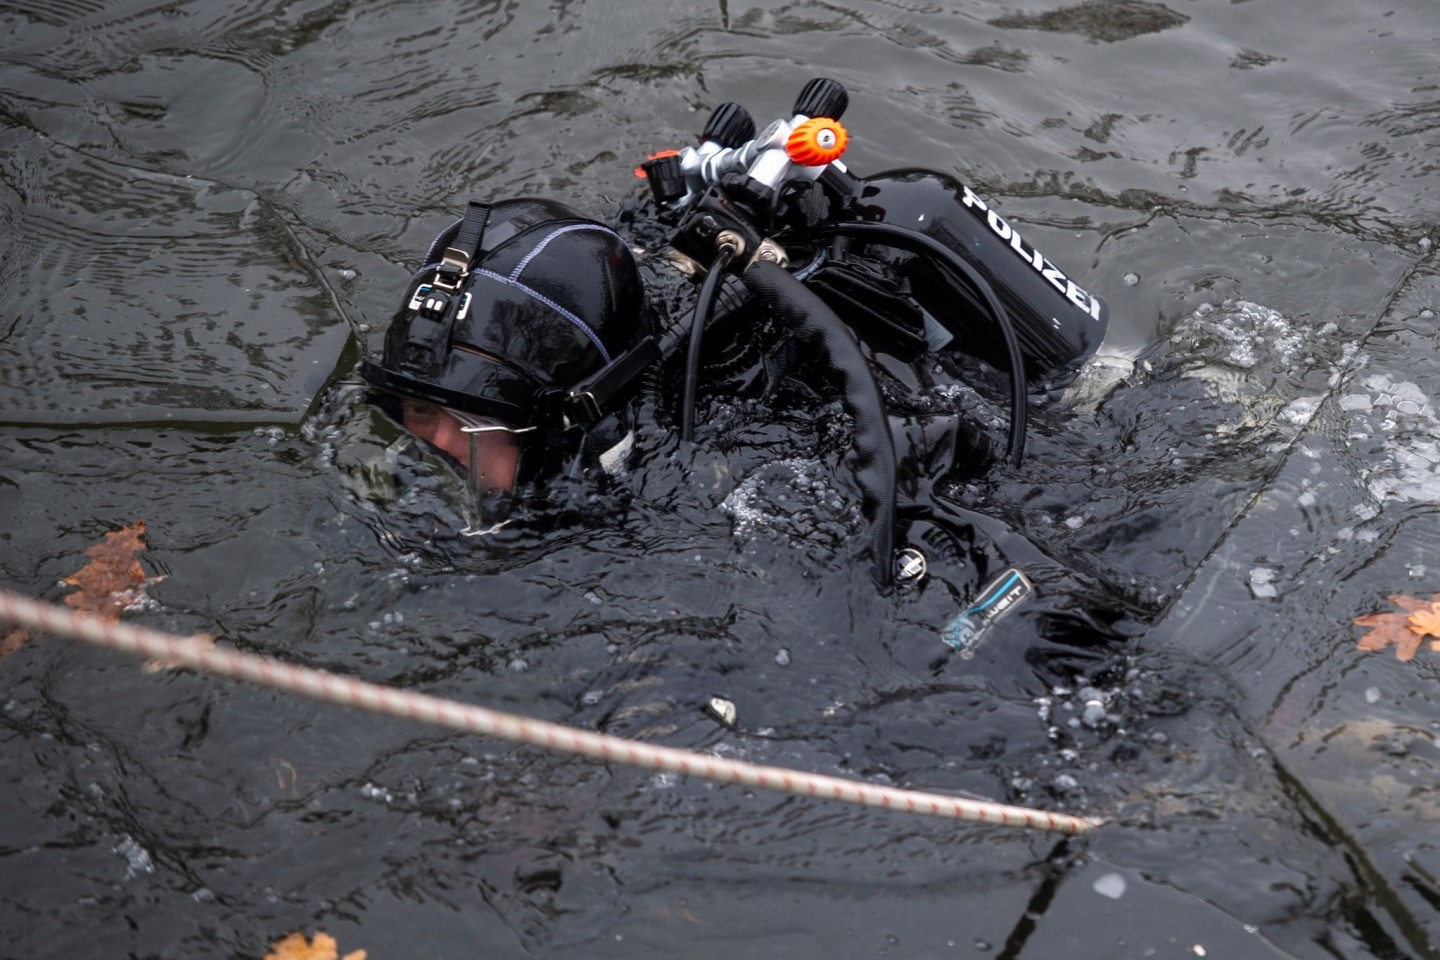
column 1298, row 412
column 1100, row 375
column 1242, row 348
column 792, row 497
column 137, row 858
column 1262, row 583
column 1240, row 333
column 1246, row 349
column 745, row 503
column 1401, row 417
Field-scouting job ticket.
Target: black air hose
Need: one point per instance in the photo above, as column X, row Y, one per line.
column 820, row 329
column 916, row 242
column 708, row 291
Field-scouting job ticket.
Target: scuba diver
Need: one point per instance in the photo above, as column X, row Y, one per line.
column 525, row 338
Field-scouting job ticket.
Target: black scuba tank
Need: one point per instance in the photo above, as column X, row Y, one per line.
column 1056, row 320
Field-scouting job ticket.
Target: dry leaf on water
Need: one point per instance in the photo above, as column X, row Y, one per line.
column 110, row 582
column 113, row 579
column 295, row 947
column 1404, row 631
column 1426, row 621
column 14, row 639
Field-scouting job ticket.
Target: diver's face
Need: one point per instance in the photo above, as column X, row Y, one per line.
column 496, row 453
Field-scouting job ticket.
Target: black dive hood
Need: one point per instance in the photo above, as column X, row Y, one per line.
column 524, row 312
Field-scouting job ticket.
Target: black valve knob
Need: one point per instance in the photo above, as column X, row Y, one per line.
column 666, row 181
column 729, row 125
column 822, row 97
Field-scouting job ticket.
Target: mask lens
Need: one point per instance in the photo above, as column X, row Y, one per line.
column 495, row 452
column 490, row 454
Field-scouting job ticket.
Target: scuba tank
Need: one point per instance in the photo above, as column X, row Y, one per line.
column 1055, row 319
column 784, row 195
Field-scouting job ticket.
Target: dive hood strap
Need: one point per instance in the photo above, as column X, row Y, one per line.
column 590, row 399
column 461, row 252
column 436, row 306
column 560, row 411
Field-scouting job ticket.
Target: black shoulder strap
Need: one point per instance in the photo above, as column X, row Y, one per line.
column 461, row 252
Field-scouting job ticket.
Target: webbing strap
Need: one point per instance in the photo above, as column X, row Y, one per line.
column 461, row 252
column 592, row 397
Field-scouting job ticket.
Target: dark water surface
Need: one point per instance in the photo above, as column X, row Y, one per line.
column 208, row 205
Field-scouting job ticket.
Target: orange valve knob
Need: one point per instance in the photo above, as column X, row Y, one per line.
column 816, row 142
column 658, row 155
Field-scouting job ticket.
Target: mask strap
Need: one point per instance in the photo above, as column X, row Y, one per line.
column 592, row 397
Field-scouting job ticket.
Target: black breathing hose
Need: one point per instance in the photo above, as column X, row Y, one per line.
column 917, row 242
column 820, row 329
column 709, row 290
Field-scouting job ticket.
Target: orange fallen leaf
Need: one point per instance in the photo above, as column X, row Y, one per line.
column 113, row 579
column 1403, row 631
column 296, row 947
column 1426, row 622
column 14, row 639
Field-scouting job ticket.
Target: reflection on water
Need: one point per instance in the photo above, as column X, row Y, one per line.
column 209, row 209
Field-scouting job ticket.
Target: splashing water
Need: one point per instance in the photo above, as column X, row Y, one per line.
column 1240, row 334
column 791, row 498
column 1398, row 418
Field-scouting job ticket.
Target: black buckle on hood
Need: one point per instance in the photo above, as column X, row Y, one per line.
column 590, row 399
column 455, row 264
column 436, row 306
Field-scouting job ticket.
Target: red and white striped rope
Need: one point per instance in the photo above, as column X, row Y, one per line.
column 197, row 653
